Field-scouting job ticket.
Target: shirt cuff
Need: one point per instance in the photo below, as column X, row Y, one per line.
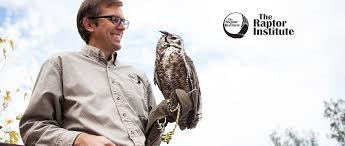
column 67, row 138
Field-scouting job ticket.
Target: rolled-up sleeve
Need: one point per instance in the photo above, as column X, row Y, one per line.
column 42, row 120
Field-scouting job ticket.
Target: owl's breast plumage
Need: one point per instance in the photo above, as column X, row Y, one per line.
column 172, row 72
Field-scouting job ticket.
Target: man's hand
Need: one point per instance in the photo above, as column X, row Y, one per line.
column 84, row 139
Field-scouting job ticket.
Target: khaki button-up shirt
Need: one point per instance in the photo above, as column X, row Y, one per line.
column 82, row 92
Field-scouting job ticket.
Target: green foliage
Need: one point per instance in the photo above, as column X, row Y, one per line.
column 335, row 113
column 6, row 99
column 289, row 137
column 3, row 45
column 7, row 134
column 18, row 117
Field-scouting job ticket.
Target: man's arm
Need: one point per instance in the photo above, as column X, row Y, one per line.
column 41, row 122
column 85, row 139
column 152, row 132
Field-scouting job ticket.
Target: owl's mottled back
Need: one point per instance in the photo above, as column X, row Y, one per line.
column 175, row 70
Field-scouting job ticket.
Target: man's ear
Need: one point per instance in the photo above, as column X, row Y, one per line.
column 89, row 25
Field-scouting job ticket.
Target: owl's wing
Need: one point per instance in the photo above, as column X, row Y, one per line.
column 195, row 96
column 193, row 80
column 155, row 78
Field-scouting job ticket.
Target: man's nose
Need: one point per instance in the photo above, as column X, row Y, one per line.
column 121, row 27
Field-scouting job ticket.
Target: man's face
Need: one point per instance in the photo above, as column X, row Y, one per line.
column 106, row 34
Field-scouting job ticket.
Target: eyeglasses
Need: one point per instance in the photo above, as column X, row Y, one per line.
column 116, row 20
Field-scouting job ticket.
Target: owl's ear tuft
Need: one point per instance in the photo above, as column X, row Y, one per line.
column 164, row 32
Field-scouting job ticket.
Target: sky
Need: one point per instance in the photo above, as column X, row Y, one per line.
column 249, row 86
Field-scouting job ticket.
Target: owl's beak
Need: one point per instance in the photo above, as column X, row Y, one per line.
column 164, row 32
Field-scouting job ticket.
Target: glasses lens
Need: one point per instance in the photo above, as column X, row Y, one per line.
column 126, row 23
column 116, row 20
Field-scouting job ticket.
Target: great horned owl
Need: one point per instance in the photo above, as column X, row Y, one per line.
column 175, row 70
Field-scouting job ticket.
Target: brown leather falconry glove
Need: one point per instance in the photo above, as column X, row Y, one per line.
column 188, row 116
column 162, row 114
column 156, row 123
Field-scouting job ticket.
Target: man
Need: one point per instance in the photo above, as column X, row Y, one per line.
column 89, row 98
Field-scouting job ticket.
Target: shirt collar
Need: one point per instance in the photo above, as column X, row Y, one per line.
column 97, row 54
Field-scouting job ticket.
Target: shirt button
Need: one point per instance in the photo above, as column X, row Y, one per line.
column 124, row 114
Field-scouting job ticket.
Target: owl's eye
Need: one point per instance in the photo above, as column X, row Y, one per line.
column 174, row 38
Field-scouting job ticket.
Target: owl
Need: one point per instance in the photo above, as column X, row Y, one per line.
column 174, row 69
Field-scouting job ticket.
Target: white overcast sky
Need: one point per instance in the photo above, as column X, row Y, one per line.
column 249, row 86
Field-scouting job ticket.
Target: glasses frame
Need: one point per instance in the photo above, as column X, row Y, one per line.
column 112, row 19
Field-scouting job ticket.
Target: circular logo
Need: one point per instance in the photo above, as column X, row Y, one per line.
column 235, row 25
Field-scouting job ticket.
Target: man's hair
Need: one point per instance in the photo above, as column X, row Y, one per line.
column 90, row 8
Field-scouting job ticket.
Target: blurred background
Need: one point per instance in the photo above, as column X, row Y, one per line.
column 257, row 90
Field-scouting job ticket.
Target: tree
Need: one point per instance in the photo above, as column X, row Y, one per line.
column 7, row 133
column 289, row 137
column 335, row 113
